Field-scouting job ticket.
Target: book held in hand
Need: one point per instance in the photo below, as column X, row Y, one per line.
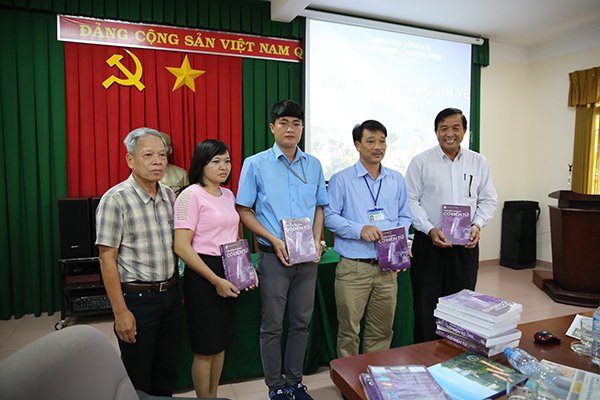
column 471, row 376
column 392, row 250
column 406, row 382
column 238, row 264
column 456, row 223
column 299, row 240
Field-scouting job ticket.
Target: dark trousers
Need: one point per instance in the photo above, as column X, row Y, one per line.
column 152, row 361
column 437, row 272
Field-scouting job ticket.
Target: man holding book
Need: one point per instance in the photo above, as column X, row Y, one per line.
column 450, row 177
column 365, row 200
column 283, row 183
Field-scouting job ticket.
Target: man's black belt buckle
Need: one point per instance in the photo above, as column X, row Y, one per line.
column 266, row 249
column 372, row 261
column 157, row 287
column 164, row 285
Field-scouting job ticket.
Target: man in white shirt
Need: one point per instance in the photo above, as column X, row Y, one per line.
column 445, row 174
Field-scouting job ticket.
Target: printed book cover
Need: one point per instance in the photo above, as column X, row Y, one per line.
column 406, row 382
column 469, row 345
column 456, row 223
column 471, row 376
column 392, row 250
column 368, row 385
column 299, row 240
column 238, row 264
column 477, row 325
column 504, row 337
column 481, row 305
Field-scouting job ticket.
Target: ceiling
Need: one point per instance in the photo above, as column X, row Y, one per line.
column 521, row 23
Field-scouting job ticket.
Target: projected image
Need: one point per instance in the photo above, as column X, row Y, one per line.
column 356, row 73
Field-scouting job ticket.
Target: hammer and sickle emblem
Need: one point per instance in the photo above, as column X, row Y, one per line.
column 132, row 78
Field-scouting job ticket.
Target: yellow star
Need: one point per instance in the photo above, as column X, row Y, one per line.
column 185, row 75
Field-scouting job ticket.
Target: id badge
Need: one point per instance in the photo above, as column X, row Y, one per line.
column 376, row 214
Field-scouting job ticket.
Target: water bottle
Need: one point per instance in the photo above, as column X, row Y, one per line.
column 596, row 337
column 545, row 375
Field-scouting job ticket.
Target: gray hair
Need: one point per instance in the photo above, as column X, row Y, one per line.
column 133, row 136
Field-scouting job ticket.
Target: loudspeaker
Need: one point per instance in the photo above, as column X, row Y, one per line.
column 518, row 239
column 74, row 227
column 94, row 205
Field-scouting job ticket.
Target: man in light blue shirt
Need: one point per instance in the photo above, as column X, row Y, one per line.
column 280, row 183
column 365, row 199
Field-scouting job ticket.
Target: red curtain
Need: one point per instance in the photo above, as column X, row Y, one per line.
column 99, row 118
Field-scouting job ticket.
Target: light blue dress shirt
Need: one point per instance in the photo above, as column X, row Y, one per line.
column 433, row 179
column 277, row 193
column 350, row 200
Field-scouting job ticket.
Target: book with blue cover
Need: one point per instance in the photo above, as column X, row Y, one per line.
column 456, row 223
column 392, row 250
column 299, row 240
column 471, row 376
column 237, row 264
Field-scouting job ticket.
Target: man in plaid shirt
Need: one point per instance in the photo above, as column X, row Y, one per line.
column 134, row 228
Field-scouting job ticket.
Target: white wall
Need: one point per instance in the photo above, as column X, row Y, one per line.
column 527, row 128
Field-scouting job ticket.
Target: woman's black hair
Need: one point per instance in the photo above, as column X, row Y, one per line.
column 205, row 151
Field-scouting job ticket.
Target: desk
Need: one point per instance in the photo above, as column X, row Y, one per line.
column 344, row 371
column 242, row 359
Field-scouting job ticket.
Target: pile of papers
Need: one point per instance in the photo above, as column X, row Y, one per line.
column 477, row 322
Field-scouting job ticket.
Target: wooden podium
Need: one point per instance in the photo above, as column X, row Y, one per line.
column 575, row 233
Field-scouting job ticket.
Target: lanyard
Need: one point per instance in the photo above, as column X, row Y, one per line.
column 303, row 177
column 375, row 198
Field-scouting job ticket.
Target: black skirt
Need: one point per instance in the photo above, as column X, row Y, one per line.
column 210, row 317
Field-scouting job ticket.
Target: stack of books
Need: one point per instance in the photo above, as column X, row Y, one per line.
column 477, row 322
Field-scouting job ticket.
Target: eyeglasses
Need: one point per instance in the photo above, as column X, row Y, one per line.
column 285, row 124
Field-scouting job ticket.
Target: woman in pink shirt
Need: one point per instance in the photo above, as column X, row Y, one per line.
column 205, row 218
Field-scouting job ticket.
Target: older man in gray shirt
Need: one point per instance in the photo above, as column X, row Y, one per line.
column 445, row 174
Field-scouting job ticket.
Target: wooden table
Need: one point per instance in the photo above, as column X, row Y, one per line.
column 344, row 371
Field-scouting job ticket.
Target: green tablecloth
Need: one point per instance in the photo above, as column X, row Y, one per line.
column 242, row 359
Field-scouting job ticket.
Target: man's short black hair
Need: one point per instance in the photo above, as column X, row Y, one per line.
column 287, row 108
column 445, row 113
column 370, row 125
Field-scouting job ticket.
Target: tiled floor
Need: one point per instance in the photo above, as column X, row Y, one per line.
column 514, row 285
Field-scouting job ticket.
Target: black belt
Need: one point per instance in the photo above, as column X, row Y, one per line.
column 149, row 286
column 372, row 261
column 266, row 249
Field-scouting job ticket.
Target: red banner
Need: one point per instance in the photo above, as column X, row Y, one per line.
column 158, row 37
